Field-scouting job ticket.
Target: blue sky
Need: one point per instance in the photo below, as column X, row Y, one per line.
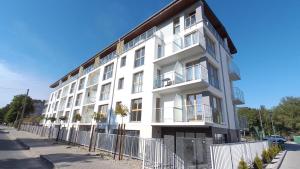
column 40, row 41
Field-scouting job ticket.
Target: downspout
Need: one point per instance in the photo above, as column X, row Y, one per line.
column 224, row 92
column 113, row 92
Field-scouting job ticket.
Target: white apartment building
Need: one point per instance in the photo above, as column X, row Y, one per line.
column 174, row 72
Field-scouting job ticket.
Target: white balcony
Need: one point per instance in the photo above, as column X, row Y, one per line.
column 93, row 78
column 183, row 115
column 181, row 47
column 238, row 96
column 194, row 77
column 90, row 95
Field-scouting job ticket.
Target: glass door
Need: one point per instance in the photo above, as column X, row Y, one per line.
column 192, row 70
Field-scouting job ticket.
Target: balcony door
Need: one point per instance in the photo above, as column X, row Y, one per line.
column 192, row 70
column 194, row 107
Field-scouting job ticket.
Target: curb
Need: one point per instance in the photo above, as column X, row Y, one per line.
column 278, row 163
column 47, row 161
column 24, row 145
column 281, row 160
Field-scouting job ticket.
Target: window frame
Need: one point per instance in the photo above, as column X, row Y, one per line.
column 139, row 57
column 136, row 110
column 137, row 82
column 121, row 83
column 105, row 91
column 108, row 71
column 123, row 61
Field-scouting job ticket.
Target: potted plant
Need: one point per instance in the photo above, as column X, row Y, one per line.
column 99, row 116
column 63, row 118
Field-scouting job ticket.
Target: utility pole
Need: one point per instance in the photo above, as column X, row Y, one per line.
column 23, row 110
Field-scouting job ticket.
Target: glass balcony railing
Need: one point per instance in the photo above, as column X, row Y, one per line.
column 234, row 71
column 238, row 96
column 195, row 72
column 186, row 113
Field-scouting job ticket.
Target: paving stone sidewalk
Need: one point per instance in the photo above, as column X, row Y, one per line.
column 66, row 157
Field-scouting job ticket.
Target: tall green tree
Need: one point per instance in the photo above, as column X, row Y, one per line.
column 287, row 116
column 16, row 106
column 3, row 111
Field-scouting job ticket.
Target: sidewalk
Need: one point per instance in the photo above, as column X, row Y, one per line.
column 70, row 157
column 292, row 158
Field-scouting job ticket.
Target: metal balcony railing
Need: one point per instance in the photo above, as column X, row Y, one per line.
column 195, row 72
column 186, row 113
column 238, row 96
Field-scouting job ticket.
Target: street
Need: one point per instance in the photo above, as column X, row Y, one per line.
column 12, row 155
column 291, row 160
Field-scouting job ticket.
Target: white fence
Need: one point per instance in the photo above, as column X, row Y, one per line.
column 152, row 152
column 228, row 156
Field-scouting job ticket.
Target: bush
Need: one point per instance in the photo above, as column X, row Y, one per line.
column 258, row 163
column 273, row 151
column 243, row 164
column 266, row 156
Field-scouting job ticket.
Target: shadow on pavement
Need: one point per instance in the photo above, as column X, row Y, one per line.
column 35, row 142
column 27, row 163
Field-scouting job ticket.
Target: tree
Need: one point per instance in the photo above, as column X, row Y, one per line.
column 3, row 111
column 77, row 117
column 121, row 110
column 99, row 116
column 287, row 116
column 16, row 107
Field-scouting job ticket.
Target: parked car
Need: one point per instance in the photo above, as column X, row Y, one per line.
column 275, row 139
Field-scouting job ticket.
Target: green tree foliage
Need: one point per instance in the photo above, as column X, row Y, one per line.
column 287, row 116
column 3, row 111
column 16, row 107
column 258, row 163
column 243, row 164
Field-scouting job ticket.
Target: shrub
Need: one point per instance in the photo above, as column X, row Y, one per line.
column 266, row 156
column 258, row 163
column 243, row 164
column 77, row 117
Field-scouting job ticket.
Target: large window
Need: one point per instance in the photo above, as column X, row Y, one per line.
column 56, row 105
column 72, row 87
column 70, row 101
column 136, row 110
column 139, row 57
column 108, row 71
column 123, row 61
column 190, row 19
column 81, row 84
column 137, row 84
column 160, row 52
column 58, row 95
column 104, row 95
column 78, row 99
column 103, row 109
column 75, row 112
column 213, row 76
column 210, row 46
column 176, row 26
column 121, row 83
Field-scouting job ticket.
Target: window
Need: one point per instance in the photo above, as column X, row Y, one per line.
column 78, row 99
column 121, row 83
column 51, row 96
column 136, row 110
column 159, row 51
column 104, row 95
column 58, row 95
column 103, row 109
column 81, row 84
column 139, row 57
column 49, row 106
column 137, row 84
column 123, row 61
column 176, row 26
column 210, row 46
column 216, row 109
column 67, row 113
column 108, row 71
column 213, row 76
column 70, row 100
column 117, row 104
column 191, row 39
column 56, row 105
column 190, row 20
column 72, row 88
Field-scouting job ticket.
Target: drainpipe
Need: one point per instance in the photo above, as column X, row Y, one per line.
column 229, row 134
column 113, row 92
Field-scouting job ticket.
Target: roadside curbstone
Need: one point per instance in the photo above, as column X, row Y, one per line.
column 47, row 162
column 24, row 145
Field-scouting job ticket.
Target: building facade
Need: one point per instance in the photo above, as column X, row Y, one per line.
column 174, row 72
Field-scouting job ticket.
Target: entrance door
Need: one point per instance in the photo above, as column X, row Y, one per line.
column 194, row 107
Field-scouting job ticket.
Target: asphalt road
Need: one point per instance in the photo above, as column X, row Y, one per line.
column 13, row 156
column 292, row 158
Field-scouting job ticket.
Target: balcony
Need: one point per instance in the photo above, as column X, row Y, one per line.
column 237, row 96
column 183, row 115
column 87, row 114
column 90, row 95
column 234, row 72
column 195, row 76
column 93, row 78
column 181, row 47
